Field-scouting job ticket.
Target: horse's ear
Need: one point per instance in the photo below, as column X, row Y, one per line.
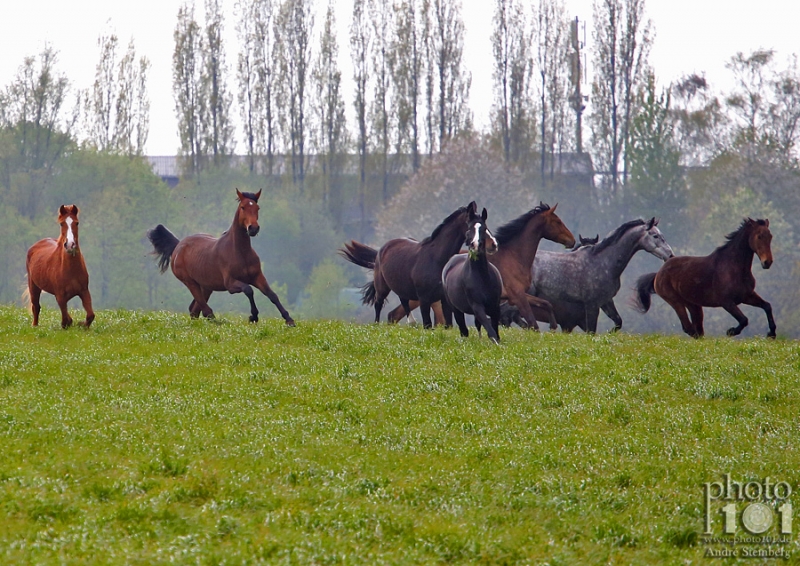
column 473, row 207
column 651, row 223
column 655, row 223
column 766, row 222
column 62, row 211
column 239, row 194
column 258, row 195
column 484, row 215
column 555, row 206
column 75, row 209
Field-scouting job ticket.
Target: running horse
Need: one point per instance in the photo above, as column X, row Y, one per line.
column 518, row 242
column 411, row 269
column 57, row 267
column 723, row 278
column 228, row 263
column 471, row 284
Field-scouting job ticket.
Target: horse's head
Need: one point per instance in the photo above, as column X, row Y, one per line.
column 68, row 220
column 652, row 241
column 583, row 242
column 479, row 238
column 555, row 230
column 247, row 214
column 760, row 241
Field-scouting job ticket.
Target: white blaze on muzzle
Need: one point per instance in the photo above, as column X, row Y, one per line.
column 70, row 235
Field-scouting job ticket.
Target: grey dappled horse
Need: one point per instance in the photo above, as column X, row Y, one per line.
column 591, row 274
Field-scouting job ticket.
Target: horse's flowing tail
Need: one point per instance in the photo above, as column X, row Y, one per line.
column 368, row 294
column 360, row 254
column 164, row 243
column 26, row 298
column 644, row 288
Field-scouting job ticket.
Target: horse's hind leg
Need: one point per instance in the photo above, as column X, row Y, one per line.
column 755, row 300
column 696, row 313
column 736, row 313
column 36, row 307
column 86, row 300
column 262, row 285
column 611, row 312
column 461, row 322
column 200, row 302
column 686, row 324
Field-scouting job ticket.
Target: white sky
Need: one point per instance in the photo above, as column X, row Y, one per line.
column 691, row 36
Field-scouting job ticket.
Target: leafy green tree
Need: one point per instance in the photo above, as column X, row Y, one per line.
column 468, row 169
column 321, row 297
column 657, row 185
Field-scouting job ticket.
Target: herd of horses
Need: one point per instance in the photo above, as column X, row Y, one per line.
column 500, row 278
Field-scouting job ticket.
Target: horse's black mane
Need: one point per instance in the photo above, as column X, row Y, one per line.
column 615, row 236
column 443, row 224
column 509, row 231
column 743, row 227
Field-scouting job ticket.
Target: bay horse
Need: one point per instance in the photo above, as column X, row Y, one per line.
column 228, row 263
column 471, row 284
column 590, row 276
column 518, row 242
column 411, row 269
column 723, row 278
column 57, row 267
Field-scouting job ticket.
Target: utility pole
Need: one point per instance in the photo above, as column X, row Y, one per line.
column 576, row 74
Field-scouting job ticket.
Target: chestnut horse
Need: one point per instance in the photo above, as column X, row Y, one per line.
column 722, row 279
column 57, row 267
column 228, row 263
column 518, row 241
column 472, row 285
column 412, row 269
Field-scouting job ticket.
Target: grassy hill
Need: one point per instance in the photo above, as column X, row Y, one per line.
column 152, row 438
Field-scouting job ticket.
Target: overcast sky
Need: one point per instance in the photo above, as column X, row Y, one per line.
column 691, row 36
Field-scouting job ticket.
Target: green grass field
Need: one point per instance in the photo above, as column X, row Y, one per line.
column 156, row 439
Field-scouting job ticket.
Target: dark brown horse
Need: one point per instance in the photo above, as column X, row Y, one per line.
column 722, row 279
column 472, row 285
column 518, row 241
column 57, row 267
column 412, row 269
column 228, row 263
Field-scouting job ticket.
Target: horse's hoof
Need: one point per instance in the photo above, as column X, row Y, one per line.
column 290, row 322
column 616, row 329
column 496, row 341
column 771, row 335
column 731, row 332
column 253, row 318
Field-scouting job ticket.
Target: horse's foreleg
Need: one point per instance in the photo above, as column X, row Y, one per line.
column 66, row 320
column 696, row 313
column 611, row 312
column 86, row 300
column 233, row 286
column 736, row 313
column 755, row 300
column 262, row 285
column 592, row 312
column 482, row 319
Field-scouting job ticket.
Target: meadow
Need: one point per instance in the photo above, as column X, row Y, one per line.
column 154, row 439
